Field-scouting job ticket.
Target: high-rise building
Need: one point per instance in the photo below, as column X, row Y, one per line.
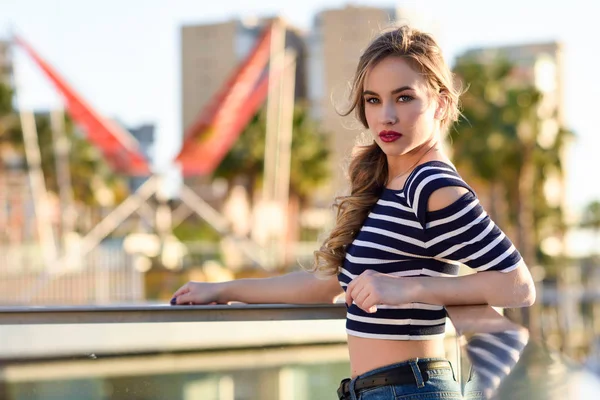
column 334, row 46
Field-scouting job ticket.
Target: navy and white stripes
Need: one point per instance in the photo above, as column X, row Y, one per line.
column 400, row 237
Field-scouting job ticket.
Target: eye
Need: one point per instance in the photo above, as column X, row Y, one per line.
column 405, row 98
column 372, row 100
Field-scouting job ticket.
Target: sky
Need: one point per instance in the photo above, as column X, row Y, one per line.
column 123, row 55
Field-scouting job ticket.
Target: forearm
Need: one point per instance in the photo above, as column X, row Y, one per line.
column 512, row 289
column 299, row 287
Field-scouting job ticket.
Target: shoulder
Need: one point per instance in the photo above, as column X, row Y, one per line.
column 445, row 196
column 433, row 186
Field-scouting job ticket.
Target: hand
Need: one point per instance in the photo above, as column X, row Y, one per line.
column 372, row 288
column 197, row 293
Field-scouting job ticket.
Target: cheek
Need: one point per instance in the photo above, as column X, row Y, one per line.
column 416, row 115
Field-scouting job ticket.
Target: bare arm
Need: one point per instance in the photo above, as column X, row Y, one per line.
column 299, row 287
column 499, row 289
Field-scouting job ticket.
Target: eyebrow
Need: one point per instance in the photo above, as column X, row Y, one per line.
column 400, row 89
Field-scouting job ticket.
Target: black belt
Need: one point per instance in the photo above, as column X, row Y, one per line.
column 400, row 375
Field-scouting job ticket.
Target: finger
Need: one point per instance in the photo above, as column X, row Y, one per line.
column 359, row 298
column 366, row 304
column 184, row 289
column 350, row 290
column 184, row 299
column 370, row 304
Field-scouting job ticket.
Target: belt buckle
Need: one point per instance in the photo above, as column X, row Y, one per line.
column 343, row 388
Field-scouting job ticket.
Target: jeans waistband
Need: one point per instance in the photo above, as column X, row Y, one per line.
column 410, row 372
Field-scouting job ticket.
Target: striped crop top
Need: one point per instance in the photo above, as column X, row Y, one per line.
column 400, row 237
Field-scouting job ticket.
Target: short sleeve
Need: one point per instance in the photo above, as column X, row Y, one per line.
column 462, row 232
column 426, row 180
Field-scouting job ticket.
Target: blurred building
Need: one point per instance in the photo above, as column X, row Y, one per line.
column 334, row 46
column 539, row 64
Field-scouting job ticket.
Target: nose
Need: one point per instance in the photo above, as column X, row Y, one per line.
column 388, row 115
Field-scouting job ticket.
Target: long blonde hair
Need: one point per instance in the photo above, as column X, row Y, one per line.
column 368, row 169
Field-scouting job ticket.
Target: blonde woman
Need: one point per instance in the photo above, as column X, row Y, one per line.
column 409, row 222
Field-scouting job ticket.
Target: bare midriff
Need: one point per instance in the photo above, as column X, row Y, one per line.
column 368, row 354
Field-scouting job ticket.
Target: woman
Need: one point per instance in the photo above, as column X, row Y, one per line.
column 400, row 235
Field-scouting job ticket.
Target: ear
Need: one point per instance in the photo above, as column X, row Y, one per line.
column 442, row 106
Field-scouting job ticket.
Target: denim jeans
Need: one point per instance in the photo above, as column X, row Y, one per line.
column 441, row 384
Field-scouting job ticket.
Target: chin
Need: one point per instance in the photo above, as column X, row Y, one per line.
column 393, row 150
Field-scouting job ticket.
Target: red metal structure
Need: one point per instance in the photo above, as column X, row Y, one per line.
column 120, row 149
column 214, row 132
column 205, row 142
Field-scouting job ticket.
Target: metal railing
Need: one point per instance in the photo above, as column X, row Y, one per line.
column 159, row 313
column 233, row 351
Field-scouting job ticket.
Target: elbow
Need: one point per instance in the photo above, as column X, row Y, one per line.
column 524, row 292
column 525, row 295
column 516, row 295
column 529, row 295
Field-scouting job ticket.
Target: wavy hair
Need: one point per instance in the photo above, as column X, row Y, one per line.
column 368, row 170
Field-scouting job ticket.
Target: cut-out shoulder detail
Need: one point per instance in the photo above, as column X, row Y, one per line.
column 426, row 179
column 445, row 196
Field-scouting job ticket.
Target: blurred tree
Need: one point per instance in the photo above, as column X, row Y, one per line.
column 496, row 141
column 89, row 171
column 482, row 143
column 7, row 117
column 591, row 220
column 309, row 166
column 5, row 101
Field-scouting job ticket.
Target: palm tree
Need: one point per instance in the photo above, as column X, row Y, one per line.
column 481, row 143
column 496, row 143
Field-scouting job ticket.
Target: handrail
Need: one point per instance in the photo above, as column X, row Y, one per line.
column 465, row 318
column 157, row 313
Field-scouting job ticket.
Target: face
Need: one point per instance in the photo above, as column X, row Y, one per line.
column 401, row 113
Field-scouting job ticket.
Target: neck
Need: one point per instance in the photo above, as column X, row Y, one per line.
column 402, row 165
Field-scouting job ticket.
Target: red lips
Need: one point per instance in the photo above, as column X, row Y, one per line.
column 389, row 136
